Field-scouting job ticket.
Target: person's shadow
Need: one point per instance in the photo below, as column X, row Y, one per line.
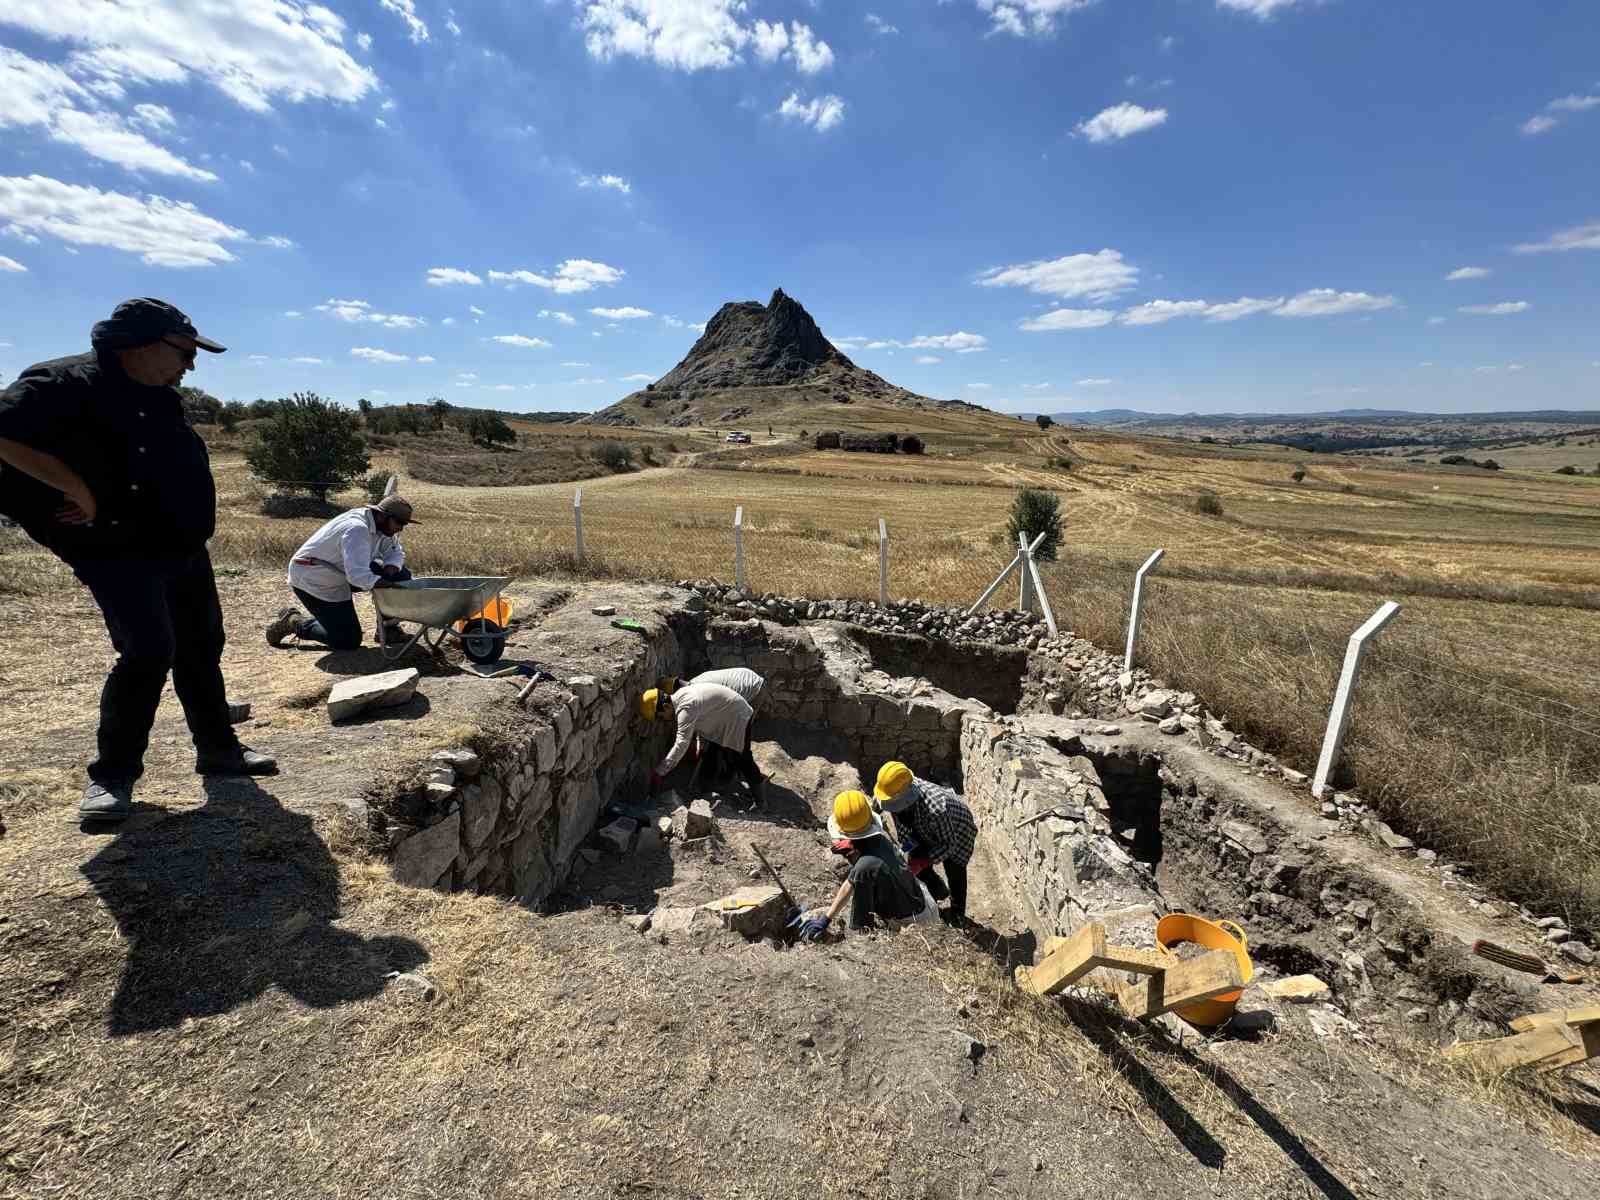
column 222, row 902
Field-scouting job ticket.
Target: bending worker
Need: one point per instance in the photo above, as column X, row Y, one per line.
column 101, row 469
column 742, row 680
column 357, row 550
column 940, row 826
column 718, row 715
column 880, row 886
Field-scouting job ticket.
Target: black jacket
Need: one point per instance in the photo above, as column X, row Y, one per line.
column 149, row 472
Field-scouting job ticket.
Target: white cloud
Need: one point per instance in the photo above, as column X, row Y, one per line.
column 1534, row 126
column 1574, row 104
column 1425, row 364
column 34, row 93
column 1036, row 387
column 258, row 358
column 1098, row 276
column 466, row 377
column 1022, row 17
column 573, row 275
column 164, row 233
column 980, row 387
column 1461, row 273
column 1504, row 309
column 478, row 312
column 1094, row 382
column 1326, row 302
column 505, row 387
column 11, row 264
column 306, row 360
column 615, row 182
column 960, row 341
column 249, row 51
column 637, row 378
column 1436, row 320
column 1256, row 8
column 1513, row 366
column 1121, row 121
column 517, row 339
column 694, row 35
column 1244, row 306
column 364, row 40
column 822, row 113
column 927, row 360
column 425, row 358
column 626, row 313
column 1069, row 318
column 406, row 10
column 444, row 276
column 1544, row 122
column 293, row 312
column 1159, row 312
column 879, row 26
column 556, row 315
column 277, row 242
column 373, row 354
column 1579, row 237
column 577, row 364
column 448, row 321
column 357, row 312
column 581, row 382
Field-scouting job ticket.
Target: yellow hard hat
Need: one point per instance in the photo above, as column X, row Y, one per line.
column 893, row 778
column 667, row 684
column 647, row 704
column 853, row 817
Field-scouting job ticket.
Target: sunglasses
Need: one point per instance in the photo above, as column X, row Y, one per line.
column 188, row 352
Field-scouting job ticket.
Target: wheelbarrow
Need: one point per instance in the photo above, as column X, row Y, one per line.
column 467, row 608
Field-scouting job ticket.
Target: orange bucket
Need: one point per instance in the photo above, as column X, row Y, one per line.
column 497, row 610
column 1176, row 928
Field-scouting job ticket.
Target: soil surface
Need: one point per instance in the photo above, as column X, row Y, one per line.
column 228, row 997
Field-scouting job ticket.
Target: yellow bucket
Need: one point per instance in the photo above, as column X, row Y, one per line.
column 1176, row 928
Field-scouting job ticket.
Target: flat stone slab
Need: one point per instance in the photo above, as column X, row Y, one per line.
column 352, row 697
column 425, row 856
column 1300, row 989
column 618, row 836
column 752, row 911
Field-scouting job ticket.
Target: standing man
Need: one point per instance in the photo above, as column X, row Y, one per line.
column 717, row 715
column 941, row 829
column 101, row 469
column 357, row 550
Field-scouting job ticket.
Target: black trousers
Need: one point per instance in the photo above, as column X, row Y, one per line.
column 716, row 760
column 163, row 616
column 875, row 894
column 333, row 623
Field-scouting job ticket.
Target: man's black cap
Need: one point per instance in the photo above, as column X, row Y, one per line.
column 145, row 320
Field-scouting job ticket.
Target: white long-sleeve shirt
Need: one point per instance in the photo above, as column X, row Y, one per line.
column 716, row 713
column 341, row 553
column 738, row 679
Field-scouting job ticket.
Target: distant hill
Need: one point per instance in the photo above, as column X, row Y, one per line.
column 1136, row 417
column 759, row 364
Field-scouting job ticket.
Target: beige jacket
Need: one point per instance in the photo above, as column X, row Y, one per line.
column 711, row 711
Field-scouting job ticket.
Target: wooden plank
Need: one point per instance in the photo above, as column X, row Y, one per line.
column 1137, row 960
column 1182, row 983
column 1560, row 1016
column 1067, row 963
column 1546, row 1047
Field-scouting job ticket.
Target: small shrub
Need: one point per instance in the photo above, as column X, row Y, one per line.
column 376, row 485
column 1298, row 474
column 828, row 440
column 911, row 444
column 1043, row 421
column 309, row 444
column 614, row 455
column 1348, row 489
column 1568, row 471
column 1208, row 504
column 1060, row 463
column 647, row 455
column 1035, row 511
column 285, row 504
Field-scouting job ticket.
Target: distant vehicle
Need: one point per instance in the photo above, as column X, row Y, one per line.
column 742, row 439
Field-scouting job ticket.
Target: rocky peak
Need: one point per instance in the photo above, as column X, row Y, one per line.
column 748, row 344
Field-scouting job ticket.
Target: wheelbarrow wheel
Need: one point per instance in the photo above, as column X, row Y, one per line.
column 483, row 641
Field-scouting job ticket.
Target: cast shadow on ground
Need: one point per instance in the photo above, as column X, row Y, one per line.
column 220, row 903
column 1108, row 1037
column 1009, row 950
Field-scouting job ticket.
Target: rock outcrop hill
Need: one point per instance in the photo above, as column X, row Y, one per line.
column 753, row 359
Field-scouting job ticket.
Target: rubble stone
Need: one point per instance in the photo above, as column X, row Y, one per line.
column 352, row 697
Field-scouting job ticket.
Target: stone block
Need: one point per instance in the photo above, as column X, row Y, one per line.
column 544, row 747
column 1298, row 989
column 465, row 763
column 585, row 687
column 352, row 697
column 677, row 923
column 693, row 821
column 427, row 854
column 752, row 911
column 618, row 836
column 480, row 812
column 1293, row 776
column 536, row 800
column 1246, row 836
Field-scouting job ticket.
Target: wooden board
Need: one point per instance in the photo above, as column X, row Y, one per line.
column 1069, row 961
column 1561, row 1016
column 1544, row 1048
column 1182, row 983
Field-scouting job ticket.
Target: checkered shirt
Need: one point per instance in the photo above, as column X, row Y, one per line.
column 941, row 822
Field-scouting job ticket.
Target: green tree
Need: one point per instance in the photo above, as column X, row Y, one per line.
column 310, row 444
column 1036, row 511
column 488, row 428
column 200, row 407
column 1043, row 421
column 365, row 406
column 440, row 410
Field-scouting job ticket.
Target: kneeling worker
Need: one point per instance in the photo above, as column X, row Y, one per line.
column 941, row 827
column 742, row 680
column 880, row 886
column 357, row 550
column 718, row 715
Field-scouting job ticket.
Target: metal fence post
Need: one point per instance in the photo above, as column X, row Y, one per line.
column 738, row 547
column 577, row 521
column 1024, row 588
column 393, row 486
column 883, row 563
column 1339, row 715
column 1138, row 605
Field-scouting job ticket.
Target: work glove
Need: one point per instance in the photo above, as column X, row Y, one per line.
column 814, row 928
column 917, row 865
column 380, row 581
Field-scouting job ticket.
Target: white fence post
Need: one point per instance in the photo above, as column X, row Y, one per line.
column 738, row 547
column 1138, row 605
column 995, row 586
column 1038, row 589
column 393, row 486
column 577, row 521
column 1025, row 556
column 1339, row 716
column 883, row 563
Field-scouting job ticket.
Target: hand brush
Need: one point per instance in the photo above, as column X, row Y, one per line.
column 1521, row 962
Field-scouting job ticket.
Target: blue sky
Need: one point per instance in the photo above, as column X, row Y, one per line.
column 1247, row 205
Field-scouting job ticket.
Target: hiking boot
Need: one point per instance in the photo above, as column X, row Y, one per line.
column 286, row 624
column 240, row 760
column 106, row 801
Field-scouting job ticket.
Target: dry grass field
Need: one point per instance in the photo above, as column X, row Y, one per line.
column 1476, row 727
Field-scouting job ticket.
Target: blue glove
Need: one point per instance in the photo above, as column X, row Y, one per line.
column 814, row 928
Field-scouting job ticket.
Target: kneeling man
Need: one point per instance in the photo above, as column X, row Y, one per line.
column 356, row 551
